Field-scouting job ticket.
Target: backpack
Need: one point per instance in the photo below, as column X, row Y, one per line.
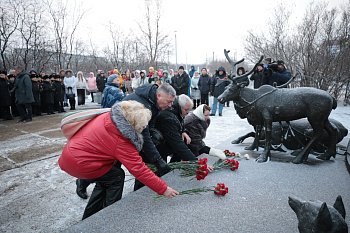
column 73, row 122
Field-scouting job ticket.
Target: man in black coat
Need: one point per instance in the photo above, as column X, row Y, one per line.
column 101, row 81
column 218, row 85
column 48, row 94
column 170, row 124
column 37, row 89
column 181, row 82
column 155, row 99
column 276, row 73
column 11, row 79
column 204, row 86
column 24, row 94
column 58, row 94
column 5, row 97
column 257, row 76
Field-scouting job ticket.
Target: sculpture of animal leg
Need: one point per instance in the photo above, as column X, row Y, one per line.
column 255, row 144
column 303, row 155
column 331, row 150
column 268, row 129
column 242, row 138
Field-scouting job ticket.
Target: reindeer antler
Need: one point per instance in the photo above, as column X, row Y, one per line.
column 233, row 64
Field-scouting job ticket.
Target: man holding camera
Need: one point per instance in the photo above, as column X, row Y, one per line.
column 276, row 74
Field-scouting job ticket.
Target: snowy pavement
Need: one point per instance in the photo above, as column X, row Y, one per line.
column 39, row 197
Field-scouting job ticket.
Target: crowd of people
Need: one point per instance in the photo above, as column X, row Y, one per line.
column 32, row 94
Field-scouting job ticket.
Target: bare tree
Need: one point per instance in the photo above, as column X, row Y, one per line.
column 9, row 19
column 65, row 23
column 318, row 45
column 152, row 39
column 76, row 18
column 58, row 15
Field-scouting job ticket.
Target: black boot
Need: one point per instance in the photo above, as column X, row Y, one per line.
column 198, row 102
column 81, row 192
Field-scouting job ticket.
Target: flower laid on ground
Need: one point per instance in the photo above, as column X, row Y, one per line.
column 246, row 156
column 220, row 190
column 227, row 163
column 232, row 154
column 189, row 168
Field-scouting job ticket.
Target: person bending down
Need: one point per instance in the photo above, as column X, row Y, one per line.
column 114, row 138
column 196, row 124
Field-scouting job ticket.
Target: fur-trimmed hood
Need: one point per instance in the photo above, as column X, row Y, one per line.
column 126, row 129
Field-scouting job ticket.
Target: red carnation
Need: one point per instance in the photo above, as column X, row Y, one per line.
column 220, row 189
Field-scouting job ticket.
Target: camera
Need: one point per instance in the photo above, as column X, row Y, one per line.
column 273, row 66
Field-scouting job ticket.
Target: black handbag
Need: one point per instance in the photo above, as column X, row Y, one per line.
column 70, row 94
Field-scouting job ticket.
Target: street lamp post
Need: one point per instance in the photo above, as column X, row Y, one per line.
column 175, row 49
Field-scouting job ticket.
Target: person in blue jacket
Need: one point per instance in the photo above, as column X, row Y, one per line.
column 112, row 92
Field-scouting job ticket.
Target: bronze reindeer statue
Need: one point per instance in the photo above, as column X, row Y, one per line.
column 296, row 134
column 269, row 104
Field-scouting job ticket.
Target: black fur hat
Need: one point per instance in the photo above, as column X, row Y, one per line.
column 45, row 77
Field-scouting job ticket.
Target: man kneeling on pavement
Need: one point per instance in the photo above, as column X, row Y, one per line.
column 173, row 139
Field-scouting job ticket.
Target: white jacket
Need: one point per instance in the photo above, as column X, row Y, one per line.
column 70, row 82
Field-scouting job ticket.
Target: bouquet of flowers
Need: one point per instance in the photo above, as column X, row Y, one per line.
column 189, row 168
column 220, row 190
column 232, row 154
column 232, row 164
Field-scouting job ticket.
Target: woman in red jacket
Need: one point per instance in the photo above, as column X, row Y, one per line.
column 97, row 151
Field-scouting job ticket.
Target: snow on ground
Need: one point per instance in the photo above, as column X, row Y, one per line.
column 39, row 197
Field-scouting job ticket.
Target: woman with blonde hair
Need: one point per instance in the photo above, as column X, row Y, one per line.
column 97, row 151
column 81, row 88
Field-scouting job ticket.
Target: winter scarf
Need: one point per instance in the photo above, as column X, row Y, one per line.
column 198, row 112
column 125, row 127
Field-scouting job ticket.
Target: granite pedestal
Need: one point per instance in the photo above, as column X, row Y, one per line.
column 257, row 200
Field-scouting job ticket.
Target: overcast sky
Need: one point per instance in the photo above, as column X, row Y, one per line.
column 202, row 27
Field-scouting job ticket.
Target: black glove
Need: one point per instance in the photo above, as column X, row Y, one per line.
column 162, row 167
column 195, row 88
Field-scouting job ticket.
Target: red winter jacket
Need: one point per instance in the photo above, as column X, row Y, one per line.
column 92, row 151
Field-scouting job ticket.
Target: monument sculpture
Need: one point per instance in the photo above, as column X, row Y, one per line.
column 270, row 104
column 295, row 135
column 317, row 216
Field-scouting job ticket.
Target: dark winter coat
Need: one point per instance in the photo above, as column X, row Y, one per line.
column 171, row 124
column 218, row 83
column 146, row 95
column 59, row 91
column 93, row 150
column 191, row 73
column 101, row 82
column 196, row 129
column 37, row 89
column 23, row 89
column 5, row 96
column 204, row 84
column 278, row 77
column 181, row 83
column 257, row 77
column 48, row 93
column 12, row 93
